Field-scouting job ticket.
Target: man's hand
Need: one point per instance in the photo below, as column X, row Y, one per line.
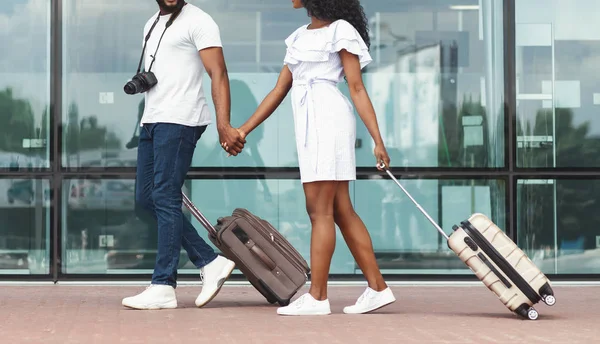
column 231, row 140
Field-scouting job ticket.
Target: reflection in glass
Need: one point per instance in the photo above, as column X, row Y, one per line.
column 24, row 226
column 557, row 223
column 436, row 81
column 101, row 232
column 557, row 49
column 103, row 235
column 403, row 239
column 24, row 84
column 437, row 84
column 99, row 120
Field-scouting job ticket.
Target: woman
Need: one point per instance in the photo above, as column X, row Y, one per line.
column 335, row 44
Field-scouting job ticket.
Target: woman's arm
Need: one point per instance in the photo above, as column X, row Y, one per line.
column 270, row 103
column 362, row 102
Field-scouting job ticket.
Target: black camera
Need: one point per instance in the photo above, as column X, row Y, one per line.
column 140, row 83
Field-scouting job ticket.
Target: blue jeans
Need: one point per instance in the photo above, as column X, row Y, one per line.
column 164, row 157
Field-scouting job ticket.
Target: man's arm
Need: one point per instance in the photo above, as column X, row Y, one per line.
column 207, row 39
column 214, row 62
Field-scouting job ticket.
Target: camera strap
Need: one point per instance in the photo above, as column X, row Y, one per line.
column 171, row 20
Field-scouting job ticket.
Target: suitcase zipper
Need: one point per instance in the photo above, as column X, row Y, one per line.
column 500, row 261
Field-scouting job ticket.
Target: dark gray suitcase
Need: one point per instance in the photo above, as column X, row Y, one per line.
column 271, row 264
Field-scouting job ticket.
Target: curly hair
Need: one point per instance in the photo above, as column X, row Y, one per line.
column 348, row 10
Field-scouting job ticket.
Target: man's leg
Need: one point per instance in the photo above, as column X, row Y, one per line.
column 156, row 296
column 173, row 151
column 199, row 252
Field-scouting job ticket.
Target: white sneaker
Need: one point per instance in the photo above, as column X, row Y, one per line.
column 213, row 275
column 306, row 305
column 154, row 297
column 371, row 300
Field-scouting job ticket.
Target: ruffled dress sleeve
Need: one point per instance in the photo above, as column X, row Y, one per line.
column 318, row 48
column 344, row 36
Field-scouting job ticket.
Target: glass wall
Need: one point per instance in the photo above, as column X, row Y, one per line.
column 557, row 52
column 24, row 84
column 24, row 226
column 103, row 235
column 558, row 224
column 557, row 49
column 24, row 134
column 437, row 82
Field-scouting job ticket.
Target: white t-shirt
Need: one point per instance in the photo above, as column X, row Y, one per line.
column 178, row 97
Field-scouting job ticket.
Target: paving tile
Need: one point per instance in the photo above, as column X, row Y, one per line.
column 78, row 314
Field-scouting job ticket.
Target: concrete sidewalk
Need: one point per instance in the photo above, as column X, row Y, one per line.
column 76, row 314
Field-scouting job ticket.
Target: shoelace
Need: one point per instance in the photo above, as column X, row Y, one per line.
column 364, row 295
column 298, row 303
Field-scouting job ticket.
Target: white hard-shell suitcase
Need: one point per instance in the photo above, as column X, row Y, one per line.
column 497, row 261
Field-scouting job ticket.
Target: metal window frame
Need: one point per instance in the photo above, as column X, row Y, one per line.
column 56, row 174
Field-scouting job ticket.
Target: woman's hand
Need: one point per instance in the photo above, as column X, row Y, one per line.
column 382, row 157
column 242, row 135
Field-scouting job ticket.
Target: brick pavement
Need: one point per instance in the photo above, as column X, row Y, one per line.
column 83, row 314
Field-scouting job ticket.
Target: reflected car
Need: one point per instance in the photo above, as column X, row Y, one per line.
column 105, row 194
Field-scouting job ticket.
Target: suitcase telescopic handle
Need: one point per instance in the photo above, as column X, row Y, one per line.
column 260, row 254
column 198, row 215
column 387, row 170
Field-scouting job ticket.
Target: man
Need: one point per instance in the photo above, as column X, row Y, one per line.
column 175, row 116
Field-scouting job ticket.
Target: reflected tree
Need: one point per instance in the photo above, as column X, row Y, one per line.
column 464, row 137
column 86, row 134
column 16, row 121
column 576, row 200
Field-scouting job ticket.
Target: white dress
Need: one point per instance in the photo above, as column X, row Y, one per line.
column 325, row 124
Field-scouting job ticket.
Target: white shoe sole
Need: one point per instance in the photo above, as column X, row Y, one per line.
column 229, row 269
column 154, row 306
column 371, row 309
column 304, row 314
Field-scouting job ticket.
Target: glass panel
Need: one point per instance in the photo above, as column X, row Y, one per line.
column 281, row 202
column 24, row 226
column 404, row 240
column 24, row 84
column 99, row 119
column 103, row 235
column 557, row 224
column 436, row 82
column 557, row 85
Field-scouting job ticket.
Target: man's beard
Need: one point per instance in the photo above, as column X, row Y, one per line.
column 169, row 9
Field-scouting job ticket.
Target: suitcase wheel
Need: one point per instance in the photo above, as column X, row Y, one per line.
column 527, row 312
column 271, row 301
column 547, row 295
column 532, row 314
column 550, row 300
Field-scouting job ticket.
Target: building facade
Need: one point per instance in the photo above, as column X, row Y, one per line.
column 488, row 106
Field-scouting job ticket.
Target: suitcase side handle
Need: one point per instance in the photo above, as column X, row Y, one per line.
column 244, row 238
column 439, row 229
column 262, row 256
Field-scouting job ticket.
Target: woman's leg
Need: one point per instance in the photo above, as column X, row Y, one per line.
column 319, row 205
column 357, row 237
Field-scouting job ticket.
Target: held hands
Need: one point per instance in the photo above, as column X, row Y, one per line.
column 232, row 140
column 382, row 157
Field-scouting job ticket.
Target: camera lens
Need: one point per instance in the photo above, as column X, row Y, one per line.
column 129, row 88
column 141, row 82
